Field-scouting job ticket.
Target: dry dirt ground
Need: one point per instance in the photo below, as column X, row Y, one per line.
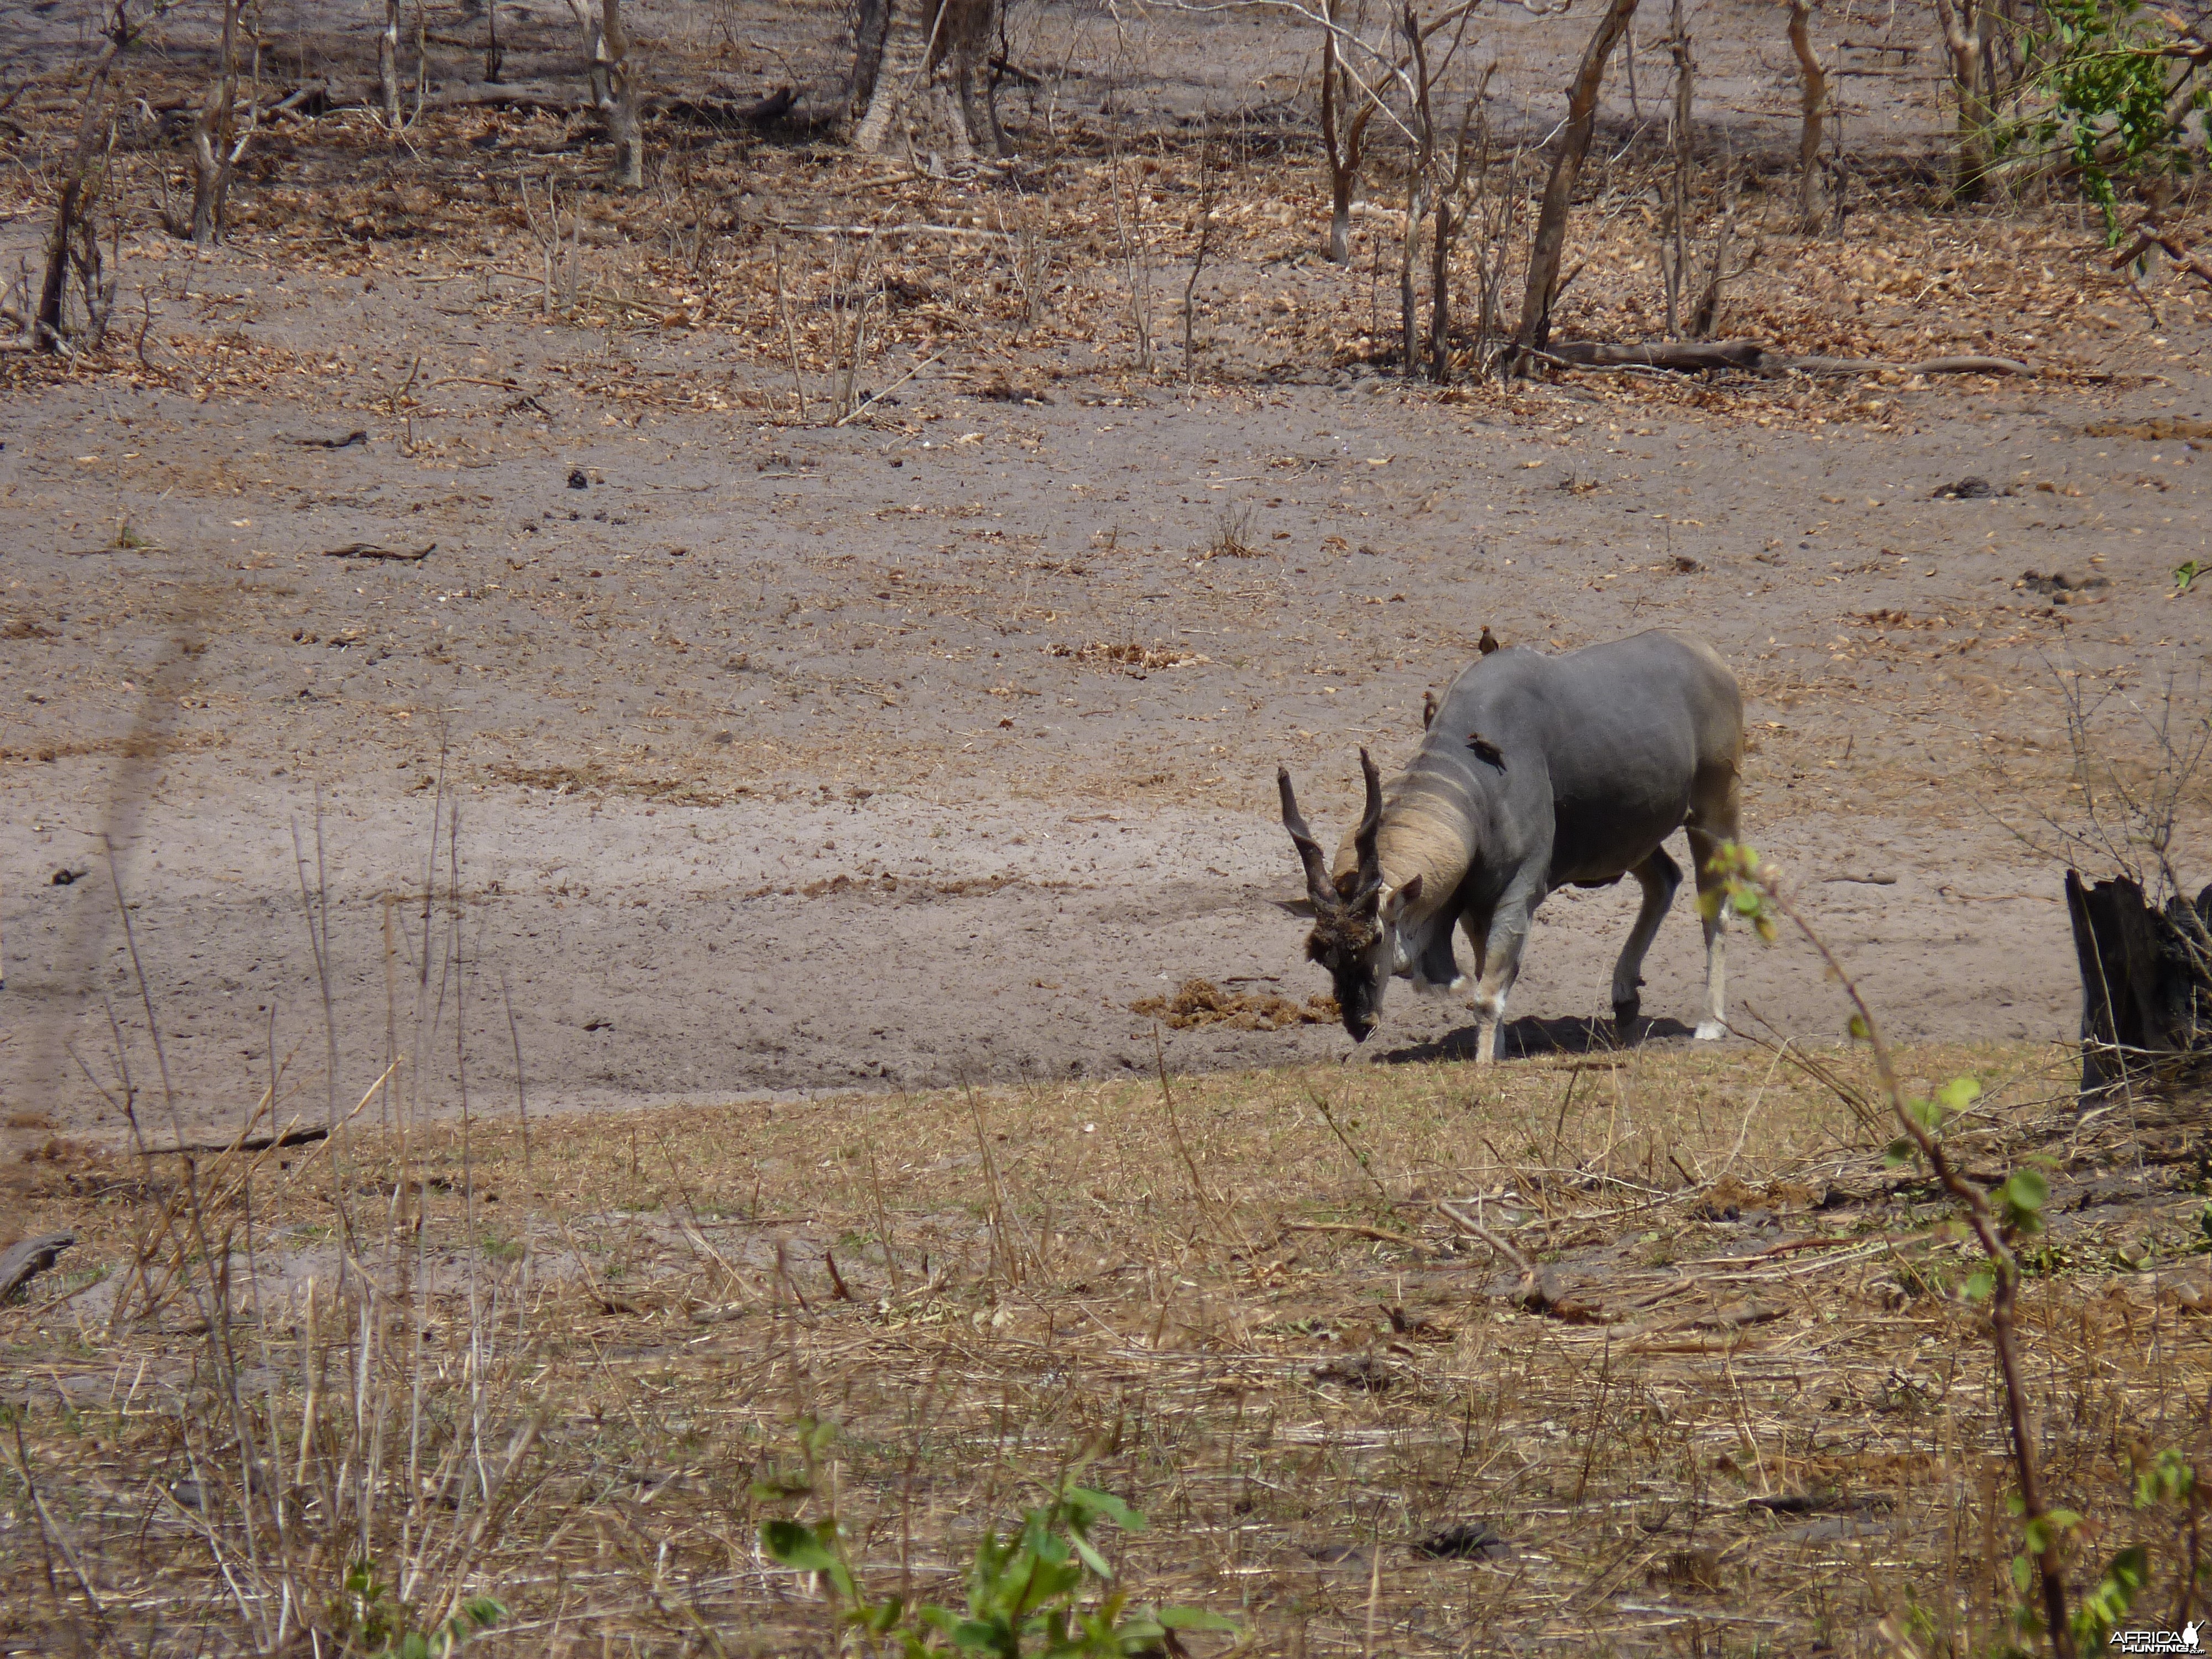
column 774, row 755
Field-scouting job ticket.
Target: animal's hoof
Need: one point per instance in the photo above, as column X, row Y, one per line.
column 1712, row 1030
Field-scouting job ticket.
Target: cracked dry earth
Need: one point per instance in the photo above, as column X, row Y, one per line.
column 790, row 758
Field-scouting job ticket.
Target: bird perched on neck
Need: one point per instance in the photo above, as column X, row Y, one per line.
column 1488, row 643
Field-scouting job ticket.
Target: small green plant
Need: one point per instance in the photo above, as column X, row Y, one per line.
column 1044, row 1591
column 370, row 1618
column 2185, row 575
column 2168, row 1478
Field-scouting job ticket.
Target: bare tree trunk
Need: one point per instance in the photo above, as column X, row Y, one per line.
column 1574, row 141
column 1960, row 27
column 1440, row 291
column 1705, row 321
column 964, row 34
column 1340, row 138
column 494, row 55
column 1674, row 242
column 80, row 187
column 1813, row 99
column 872, row 28
column 1422, row 115
column 2146, row 986
column 387, row 65
column 897, row 59
column 1450, row 215
column 211, row 137
column 1417, row 207
column 621, row 89
column 595, row 51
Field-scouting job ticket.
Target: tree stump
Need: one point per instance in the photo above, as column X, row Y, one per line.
column 2146, row 986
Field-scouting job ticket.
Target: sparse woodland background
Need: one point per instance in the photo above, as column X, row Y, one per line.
column 829, row 184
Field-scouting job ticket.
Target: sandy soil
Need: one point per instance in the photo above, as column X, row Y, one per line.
column 794, row 757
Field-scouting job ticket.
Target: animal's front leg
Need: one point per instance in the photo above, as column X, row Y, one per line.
column 1501, row 966
column 1436, row 969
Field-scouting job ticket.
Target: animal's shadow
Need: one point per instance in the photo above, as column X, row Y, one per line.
column 1527, row 1037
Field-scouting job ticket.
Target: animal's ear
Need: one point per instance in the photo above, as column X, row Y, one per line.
column 1395, row 903
column 1294, row 907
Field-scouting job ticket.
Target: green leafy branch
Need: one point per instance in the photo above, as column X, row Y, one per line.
column 1046, row 1591
column 1753, row 892
column 2115, row 102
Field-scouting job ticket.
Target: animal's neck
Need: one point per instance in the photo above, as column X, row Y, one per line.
column 1424, row 836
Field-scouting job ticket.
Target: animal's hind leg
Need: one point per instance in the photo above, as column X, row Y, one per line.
column 1659, row 876
column 1712, row 909
column 1715, row 795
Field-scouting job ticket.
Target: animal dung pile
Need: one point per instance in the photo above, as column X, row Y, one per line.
column 2059, row 587
column 1202, row 1002
column 1128, row 655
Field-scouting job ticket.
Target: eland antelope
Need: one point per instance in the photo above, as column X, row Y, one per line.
column 1537, row 773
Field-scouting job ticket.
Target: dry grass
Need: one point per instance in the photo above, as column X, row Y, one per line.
column 1753, row 1419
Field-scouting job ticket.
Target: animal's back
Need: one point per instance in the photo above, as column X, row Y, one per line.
column 1625, row 729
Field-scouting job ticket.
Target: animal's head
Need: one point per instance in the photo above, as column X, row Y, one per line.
column 1356, row 920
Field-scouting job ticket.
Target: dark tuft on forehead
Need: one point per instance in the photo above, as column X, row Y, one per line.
column 1341, row 932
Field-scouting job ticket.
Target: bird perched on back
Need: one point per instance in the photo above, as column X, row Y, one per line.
column 1488, row 643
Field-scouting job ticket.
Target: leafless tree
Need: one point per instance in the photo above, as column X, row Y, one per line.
column 1346, row 106
column 1813, row 102
column 621, row 102
column 73, row 240
column 1963, row 25
column 609, row 63
column 1450, row 214
column 1675, row 226
column 1569, row 149
column 1205, row 194
column 1492, row 212
column 896, row 47
column 216, row 142
column 1136, row 260
column 495, row 54
column 1432, row 178
column 387, row 65
column 1702, row 291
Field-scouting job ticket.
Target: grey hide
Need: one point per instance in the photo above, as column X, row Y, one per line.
column 1537, row 772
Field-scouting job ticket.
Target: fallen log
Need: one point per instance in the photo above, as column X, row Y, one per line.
column 511, row 94
column 564, row 100
column 2146, row 986
column 1692, row 356
column 2149, row 235
column 727, row 113
column 1703, row 356
column 246, row 1144
column 370, row 551
column 22, row 1262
